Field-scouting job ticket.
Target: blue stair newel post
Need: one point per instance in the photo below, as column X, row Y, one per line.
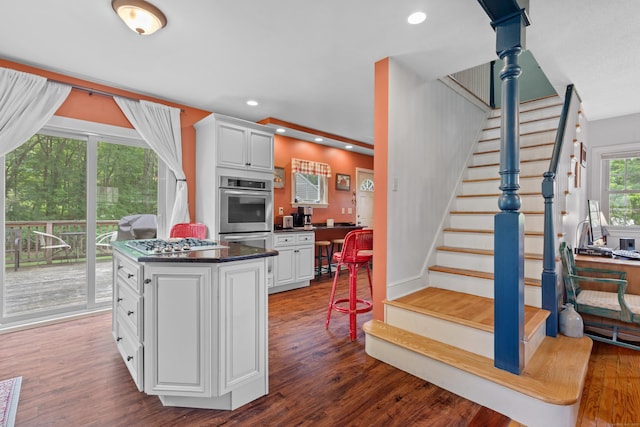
column 509, row 21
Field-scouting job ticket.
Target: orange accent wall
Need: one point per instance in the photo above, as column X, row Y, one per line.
column 103, row 109
column 381, row 177
column 341, row 161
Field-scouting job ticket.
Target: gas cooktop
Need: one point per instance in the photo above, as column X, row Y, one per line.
column 158, row 246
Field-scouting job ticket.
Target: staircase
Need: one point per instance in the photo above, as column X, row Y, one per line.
column 444, row 333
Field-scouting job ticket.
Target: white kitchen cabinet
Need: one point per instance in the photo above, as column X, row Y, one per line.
column 233, row 143
column 127, row 317
column 294, row 263
column 197, row 336
column 243, row 147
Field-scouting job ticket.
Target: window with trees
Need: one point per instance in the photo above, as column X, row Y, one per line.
column 622, row 190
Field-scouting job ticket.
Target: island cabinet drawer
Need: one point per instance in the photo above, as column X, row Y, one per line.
column 129, row 273
column 131, row 351
column 129, row 308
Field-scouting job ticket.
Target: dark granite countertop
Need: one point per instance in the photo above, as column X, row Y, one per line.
column 234, row 252
column 319, row 227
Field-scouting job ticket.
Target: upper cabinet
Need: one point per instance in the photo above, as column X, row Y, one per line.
column 237, row 144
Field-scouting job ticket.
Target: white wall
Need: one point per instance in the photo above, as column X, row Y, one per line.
column 432, row 132
column 607, row 135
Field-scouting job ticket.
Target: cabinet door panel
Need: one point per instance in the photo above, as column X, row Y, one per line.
column 242, row 319
column 305, row 262
column 260, row 150
column 285, row 265
column 177, row 331
column 231, row 145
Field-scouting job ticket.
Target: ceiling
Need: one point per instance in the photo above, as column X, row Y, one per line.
column 311, row 63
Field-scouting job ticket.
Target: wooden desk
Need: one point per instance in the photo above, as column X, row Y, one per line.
column 632, row 268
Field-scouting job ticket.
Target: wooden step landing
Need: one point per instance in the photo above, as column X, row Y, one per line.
column 554, row 375
column 464, row 309
column 479, row 274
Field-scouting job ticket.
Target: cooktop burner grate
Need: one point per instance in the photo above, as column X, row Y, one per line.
column 159, row 246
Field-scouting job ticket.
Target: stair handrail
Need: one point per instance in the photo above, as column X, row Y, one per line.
column 550, row 295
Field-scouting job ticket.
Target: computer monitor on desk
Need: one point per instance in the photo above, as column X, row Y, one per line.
column 597, row 236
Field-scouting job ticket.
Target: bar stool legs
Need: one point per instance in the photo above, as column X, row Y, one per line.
column 326, row 246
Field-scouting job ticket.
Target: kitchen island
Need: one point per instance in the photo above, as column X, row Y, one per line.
column 191, row 326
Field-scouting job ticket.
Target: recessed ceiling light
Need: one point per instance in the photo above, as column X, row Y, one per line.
column 318, row 139
column 252, row 102
column 417, row 18
column 348, row 147
column 281, row 130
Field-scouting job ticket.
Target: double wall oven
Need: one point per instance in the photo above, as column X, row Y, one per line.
column 246, row 212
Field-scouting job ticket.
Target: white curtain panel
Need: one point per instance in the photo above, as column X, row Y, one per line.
column 27, row 102
column 159, row 126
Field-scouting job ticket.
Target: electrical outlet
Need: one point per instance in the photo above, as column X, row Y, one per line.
column 350, row 211
column 342, row 210
column 280, row 210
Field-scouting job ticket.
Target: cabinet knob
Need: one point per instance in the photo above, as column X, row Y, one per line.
column 120, row 266
column 129, row 313
column 129, row 358
column 147, row 281
column 118, row 339
column 119, row 299
column 247, row 164
column 129, row 276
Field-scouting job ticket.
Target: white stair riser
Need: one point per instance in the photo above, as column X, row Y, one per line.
column 485, row 222
column 526, row 168
column 532, row 244
column 527, row 185
column 538, row 125
column 539, row 152
column 464, row 337
column 533, row 203
column 525, row 140
column 480, row 287
column 526, row 116
column 485, row 263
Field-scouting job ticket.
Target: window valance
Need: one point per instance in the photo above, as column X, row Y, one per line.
column 310, row 168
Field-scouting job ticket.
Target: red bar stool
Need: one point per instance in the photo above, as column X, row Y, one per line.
column 356, row 252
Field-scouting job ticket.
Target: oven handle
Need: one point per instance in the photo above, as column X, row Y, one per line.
column 239, row 238
column 245, row 193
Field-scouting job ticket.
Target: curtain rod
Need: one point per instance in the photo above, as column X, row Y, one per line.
column 96, row 91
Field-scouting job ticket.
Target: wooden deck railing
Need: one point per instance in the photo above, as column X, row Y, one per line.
column 22, row 246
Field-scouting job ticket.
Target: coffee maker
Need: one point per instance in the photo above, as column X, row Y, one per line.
column 306, row 212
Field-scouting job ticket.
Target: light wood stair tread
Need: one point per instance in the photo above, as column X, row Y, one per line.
column 539, row 159
column 522, row 147
column 497, row 178
column 528, row 281
column 487, row 252
column 466, row 309
column 522, row 134
column 479, row 231
column 550, row 376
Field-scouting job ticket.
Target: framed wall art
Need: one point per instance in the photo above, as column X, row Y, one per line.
column 583, row 155
column 278, row 177
column 343, row 182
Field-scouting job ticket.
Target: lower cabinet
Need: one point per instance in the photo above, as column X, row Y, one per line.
column 294, row 263
column 204, row 333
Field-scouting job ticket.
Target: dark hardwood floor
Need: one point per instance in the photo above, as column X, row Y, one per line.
column 73, row 376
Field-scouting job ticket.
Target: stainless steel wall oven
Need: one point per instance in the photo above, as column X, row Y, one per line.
column 246, row 205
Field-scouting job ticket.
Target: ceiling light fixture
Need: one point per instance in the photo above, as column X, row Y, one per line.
column 142, row 17
column 417, row 18
column 252, row 103
column 348, row 147
column 281, row 130
column 318, row 139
